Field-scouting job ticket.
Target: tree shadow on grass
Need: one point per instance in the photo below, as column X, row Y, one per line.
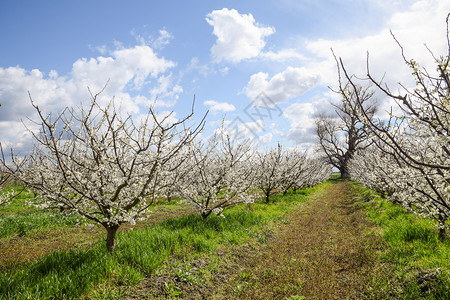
column 61, row 274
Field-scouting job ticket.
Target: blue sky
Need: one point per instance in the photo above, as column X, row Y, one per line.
column 226, row 53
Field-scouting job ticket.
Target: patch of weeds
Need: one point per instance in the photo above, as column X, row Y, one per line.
column 239, row 288
column 263, row 235
column 185, row 275
column 19, row 203
column 246, row 276
column 296, row 297
column 171, row 289
column 283, row 220
column 106, row 291
column 367, row 196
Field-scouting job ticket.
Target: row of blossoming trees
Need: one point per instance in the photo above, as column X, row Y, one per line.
column 110, row 169
column 408, row 157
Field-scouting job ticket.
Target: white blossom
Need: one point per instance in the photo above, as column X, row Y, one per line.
column 100, row 164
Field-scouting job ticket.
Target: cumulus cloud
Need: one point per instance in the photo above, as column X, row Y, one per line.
column 215, row 106
column 422, row 22
column 195, row 65
column 238, row 129
column 135, row 76
column 159, row 42
column 239, row 36
column 266, row 138
column 251, row 129
column 130, row 66
column 290, row 83
column 301, row 116
column 163, row 39
column 283, row 55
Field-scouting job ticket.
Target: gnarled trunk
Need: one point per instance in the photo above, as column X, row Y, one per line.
column 441, row 234
column 442, row 220
column 111, row 237
column 267, row 196
column 344, row 170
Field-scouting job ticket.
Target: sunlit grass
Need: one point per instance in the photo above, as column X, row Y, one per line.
column 95, row 273
column 421, row 261
column 19, row 202
column 33, row 221
column 20, row 219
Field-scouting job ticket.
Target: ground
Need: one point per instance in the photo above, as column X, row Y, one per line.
column 325, row 249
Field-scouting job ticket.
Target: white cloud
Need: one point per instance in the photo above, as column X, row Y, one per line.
column 284, row 55
column 290, row 83
column 251, row 129
column 422, row 23
column 15, row 136
column 136, row 77
column 238, row 35
column 125, row 66
column 163, row 39
column 194, row 65
column 215, row 106
column 238, row 129
column 166, row 93
column 301, row 116
column 224, row 70
column 266, row 138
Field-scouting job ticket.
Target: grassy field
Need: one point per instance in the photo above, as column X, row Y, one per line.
column 334, row 241
column 81, row 267
column 420, row 262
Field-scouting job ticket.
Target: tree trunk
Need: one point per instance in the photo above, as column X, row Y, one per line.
column 111, row 238
column 345, row 175
column 344, row 172
column 441, row 228
column 206, row 214
column 267, row 197
column 441, row 234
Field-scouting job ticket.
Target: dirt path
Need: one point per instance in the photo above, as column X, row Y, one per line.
column 326, row 251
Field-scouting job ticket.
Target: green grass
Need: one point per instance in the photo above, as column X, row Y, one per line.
column 19, row 203
column 420, row 260
column 95, row 273
column 22, row 224
column 18, row 218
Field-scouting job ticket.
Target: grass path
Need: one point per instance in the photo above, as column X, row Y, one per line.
column 323, row 251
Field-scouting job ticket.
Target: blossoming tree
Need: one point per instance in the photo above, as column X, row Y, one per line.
column 217, row 174
column 279, row 170
column 4, row 177
column 418, row 139
column 296, row 167
column 106, row 167
column 270, row 171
